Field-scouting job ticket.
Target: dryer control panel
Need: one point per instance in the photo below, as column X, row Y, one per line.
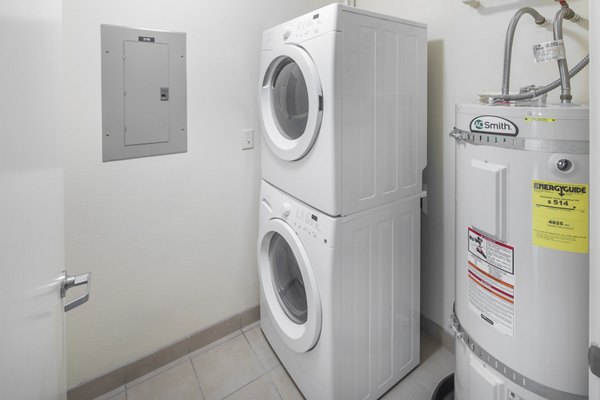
column 303, row 28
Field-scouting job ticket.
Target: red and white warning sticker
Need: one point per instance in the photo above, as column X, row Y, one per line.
column 491, row 281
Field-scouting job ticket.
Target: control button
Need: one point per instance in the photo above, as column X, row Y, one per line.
column 287, row 33
column 286, row 210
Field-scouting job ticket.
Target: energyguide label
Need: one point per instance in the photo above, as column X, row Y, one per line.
column 560, row 216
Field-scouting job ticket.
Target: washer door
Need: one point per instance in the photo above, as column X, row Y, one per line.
column 289, row 286
column 291, row 100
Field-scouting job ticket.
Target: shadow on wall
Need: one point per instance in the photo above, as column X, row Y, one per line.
column 435, row 97
column 435, row 110
column 433, row 224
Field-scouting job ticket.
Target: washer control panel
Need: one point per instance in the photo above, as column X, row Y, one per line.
column 307, row 222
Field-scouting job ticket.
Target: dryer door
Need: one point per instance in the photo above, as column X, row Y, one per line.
column 291, row 101
column 289, row 286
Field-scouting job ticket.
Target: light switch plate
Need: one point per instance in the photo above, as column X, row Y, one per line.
column 247, row 139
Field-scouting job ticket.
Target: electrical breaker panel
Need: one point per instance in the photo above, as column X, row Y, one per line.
column 143, row 93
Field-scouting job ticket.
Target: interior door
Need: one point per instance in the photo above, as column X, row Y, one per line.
column 595, row 206
column 32, row 362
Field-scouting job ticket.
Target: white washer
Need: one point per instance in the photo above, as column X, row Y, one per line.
column 339, row 297
column 343, row 108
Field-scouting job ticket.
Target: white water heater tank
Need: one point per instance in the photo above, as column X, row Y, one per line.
column 521, row 311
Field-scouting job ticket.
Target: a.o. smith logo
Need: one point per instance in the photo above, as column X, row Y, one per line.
column 494, row 125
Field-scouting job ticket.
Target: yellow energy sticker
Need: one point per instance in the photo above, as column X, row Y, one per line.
column 539, row 119
column 560, row 216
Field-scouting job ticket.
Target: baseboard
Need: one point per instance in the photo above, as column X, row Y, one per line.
column 439, row 334
column 112, row 380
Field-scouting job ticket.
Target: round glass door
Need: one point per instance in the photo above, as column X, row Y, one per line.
column 290, row 99
column 287, row 279
column 291, row 102
column 288, row 286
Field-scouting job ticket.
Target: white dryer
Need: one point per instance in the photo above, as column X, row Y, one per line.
column 343, row 108
column 339, row 297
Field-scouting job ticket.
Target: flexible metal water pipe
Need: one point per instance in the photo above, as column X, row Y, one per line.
column 542, row 90
column 508, row 42
column 565, row 81
column 564, row 13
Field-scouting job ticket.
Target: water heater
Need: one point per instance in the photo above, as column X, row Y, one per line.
column 522, row 212
column 521, row 310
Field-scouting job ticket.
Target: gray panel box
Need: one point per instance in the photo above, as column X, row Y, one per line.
column 144, row 97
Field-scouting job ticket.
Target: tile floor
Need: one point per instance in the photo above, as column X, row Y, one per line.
column 242, row 366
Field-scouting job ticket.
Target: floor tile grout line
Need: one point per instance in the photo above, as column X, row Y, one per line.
column 157, row 371
column 243, row 386
column 198, row 380
column 273, row 383
column 241, row 333
column 255, row 353
column 210, row 346
column 275, row 367
column 267, row 370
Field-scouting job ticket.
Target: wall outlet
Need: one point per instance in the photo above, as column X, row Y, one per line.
column 247, row 139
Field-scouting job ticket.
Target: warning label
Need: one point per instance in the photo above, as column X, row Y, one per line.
column 560, row 216
column 491, row 281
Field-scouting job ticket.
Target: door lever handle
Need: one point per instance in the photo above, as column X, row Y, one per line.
column 70, row 281
column 594, row 359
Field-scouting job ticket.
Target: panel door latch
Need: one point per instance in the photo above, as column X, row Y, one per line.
column 164, row 94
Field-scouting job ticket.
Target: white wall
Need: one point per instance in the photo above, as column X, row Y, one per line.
column 170, row 240
column 466, row 48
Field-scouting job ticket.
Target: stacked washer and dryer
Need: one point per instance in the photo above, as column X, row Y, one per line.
column 343, row 111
